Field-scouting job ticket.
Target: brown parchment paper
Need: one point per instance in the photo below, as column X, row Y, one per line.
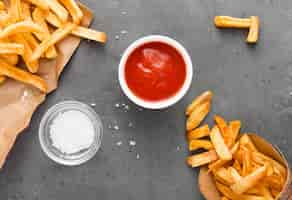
column 207, row 184
column 19, row 101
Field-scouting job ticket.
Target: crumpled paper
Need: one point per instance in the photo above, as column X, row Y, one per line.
column 19, row 101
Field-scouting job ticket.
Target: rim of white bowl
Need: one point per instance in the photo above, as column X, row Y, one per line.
column 162, row 103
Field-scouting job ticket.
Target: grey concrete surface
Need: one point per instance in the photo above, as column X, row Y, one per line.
column 251, row 83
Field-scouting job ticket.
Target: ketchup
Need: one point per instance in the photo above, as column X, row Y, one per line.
column 155, row 71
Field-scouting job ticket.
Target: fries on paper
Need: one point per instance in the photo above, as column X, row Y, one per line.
column 30, row 30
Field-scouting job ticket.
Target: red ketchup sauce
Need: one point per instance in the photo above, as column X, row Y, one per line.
column 155, row 71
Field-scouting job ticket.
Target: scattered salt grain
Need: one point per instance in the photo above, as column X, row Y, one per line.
column 124, row 32
column 116, row 127
column 137, row 156
column 117, row 37
column 130, row 124
column 119, row 143
column 93, row 104
column 71, row 132
column 132, row 143
column 124, row 13
column 127, row 107
column 117, row 105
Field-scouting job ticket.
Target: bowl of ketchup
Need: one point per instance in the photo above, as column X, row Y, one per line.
column 155, row 72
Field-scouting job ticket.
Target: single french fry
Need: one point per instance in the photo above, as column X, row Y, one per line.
column 32, row 66
column 39, row 3
column 199, row 132
column 39, row 19
column 198, row 115
column 54, row 20
column 202, row 158
column 55, row 37
column 266, row 192
column 234, row 127
column 5, row 19
column 234, row 174
column 246, row 164
column 221, row 123
column 219, row 163
column 32, row 41
column 2, row 5
column 204, row 97
column 2, row 79
column 22, row 76
column 247, row 142
column 224, row 198
column 226, row 191
column 200, row 144
column 236, row 165
column 12, row 59
column 223, row 176
column 231, row 22
column 249, row 181
column 274, row 182
column 58, row 9
column 253, row 33
column 275, row 192
column 89, row 34
column 25, row 8
column 73, row 9
column 20, row 27
column 15, row 10
column 219, row 145
column 11, row 48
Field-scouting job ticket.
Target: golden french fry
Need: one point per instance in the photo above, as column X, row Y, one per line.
column 234, row 127
column 246, row 164
column 237, row 166
column 32, row 66
column 266, row 192
column 247, row 142
column 22, row 76
column 54, row 20
column 221, row 123
column 56, row 36
column 231, row 22
column 5, row 19
column 11, row 48
column 73, row 9
column 15, row 10
column 202, row 158
column 275, row 192
column 39, row 19
column 234, row 174
column 223, row 176
column 200, row 144
column 2, row 5
column 219, row 144
column 12, row 59
column 32, row 41
column 58, row 9
column 2, row 79
column 249, row 181
column 224, row 198
column 198, row 115
column 224, row 130
column 204, row 97
column 199, row 132
column 226, row 191
column 39, row 3
column 253, row 33
column 25, row 8
column 219, row 163
column 89, row 34
column 20, row 27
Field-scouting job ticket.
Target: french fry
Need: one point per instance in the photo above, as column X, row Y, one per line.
column 58, row 9
column 224, row 198
column 40, row 3
column 5, row 19
column 219, row 145
column 25, row 8
column 234, row 127
column 197, row 116
column 223, row 176
column 234, row 174
column 39, row 19
column 15, row 10
column 73, row 9
column 11, row 48
column 266, row 193
column 273, row 182
column 246, row 164
column 56, row 36
column 219, row 163
column 204, row 97
column 2, row 79
column 247, row 142
column 20, row 27
column 200, row 144
column 32, row 41
column 89, row 34
column 249, row 181
column 54, row 20
column 202, row 158
column 226, row 191
column 237, row 166
column 31, row 65
column 253, row 33
column 12, row 59
column 231, row 22
column 22, row 76
column 2, row 5
column 199, row 132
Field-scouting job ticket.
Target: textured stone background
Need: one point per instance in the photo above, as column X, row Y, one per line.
column 251, row 83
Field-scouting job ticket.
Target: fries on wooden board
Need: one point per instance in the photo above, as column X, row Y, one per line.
column 30, row 29
column 239, row 169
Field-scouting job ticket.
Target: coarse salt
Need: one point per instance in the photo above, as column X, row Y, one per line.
column 72, row 131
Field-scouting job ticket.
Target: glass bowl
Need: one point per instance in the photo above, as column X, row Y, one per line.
column 46, row 142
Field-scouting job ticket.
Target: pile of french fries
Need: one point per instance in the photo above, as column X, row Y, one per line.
column 240, row 171
column 30, row 29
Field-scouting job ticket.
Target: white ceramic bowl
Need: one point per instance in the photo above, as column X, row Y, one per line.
column 163, row 103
